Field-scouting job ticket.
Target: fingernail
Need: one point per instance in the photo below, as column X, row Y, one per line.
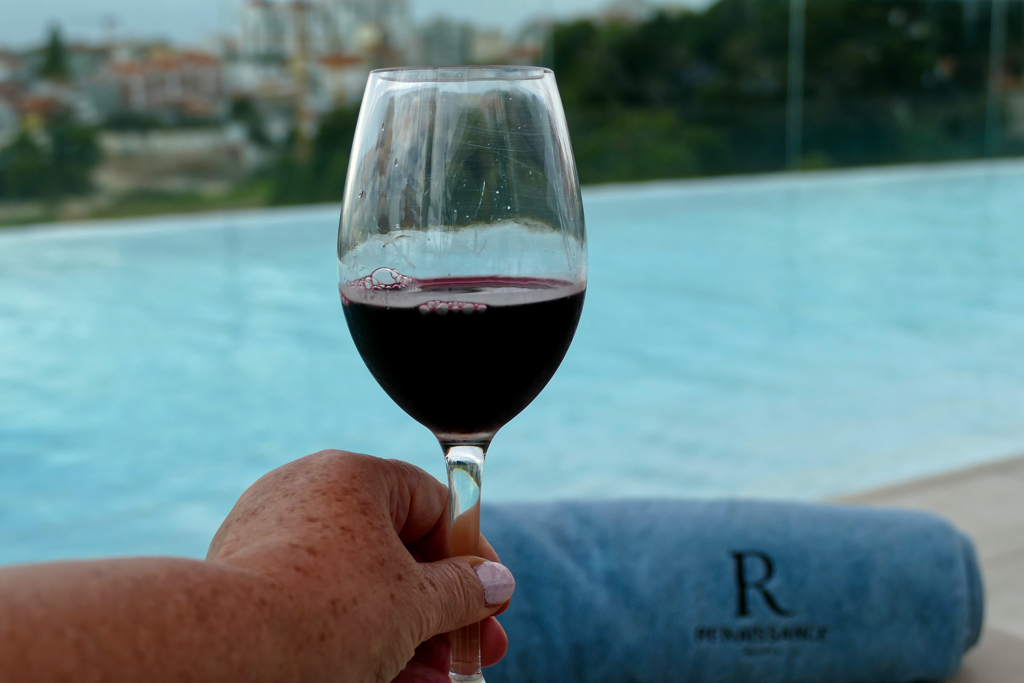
column 497, row 582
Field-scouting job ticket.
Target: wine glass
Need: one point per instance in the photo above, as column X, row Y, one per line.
column 462, row 262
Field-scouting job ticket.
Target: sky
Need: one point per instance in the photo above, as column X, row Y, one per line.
column 24, row 23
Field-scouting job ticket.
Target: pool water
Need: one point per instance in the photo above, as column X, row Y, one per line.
column 791, row 336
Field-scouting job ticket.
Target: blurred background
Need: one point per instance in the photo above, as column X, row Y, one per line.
column 794, row 327
column 114, row 108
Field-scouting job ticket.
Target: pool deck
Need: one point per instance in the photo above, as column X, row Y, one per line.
column 986, row 502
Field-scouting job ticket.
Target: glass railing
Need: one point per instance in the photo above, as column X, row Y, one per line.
column 751, row 86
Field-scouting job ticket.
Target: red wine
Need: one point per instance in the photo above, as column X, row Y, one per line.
column 463, row 356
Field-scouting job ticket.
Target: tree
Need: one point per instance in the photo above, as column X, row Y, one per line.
column 321, row 177
column 23, row 170
column 57, row 164
column 74, row 153
column 55, row 65
column 244, row 110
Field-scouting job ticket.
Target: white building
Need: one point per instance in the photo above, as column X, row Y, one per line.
column 298, row 59
column 339, row 81
column 188, row 82
column 488, row 47
column 391, row 18
column 10, row 67
column 277, row 31
column 283, row 30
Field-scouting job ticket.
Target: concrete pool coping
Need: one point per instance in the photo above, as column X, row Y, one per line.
column 987, row 502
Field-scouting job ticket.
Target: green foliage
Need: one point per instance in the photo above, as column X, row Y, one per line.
column 132, row 121
column 23, row 170
column 690, row 93
column 320, row 177
column 695, row 93
column 74, row 153
column 248, row 194
column 642, row 144
column 55, row 163
column 244, row 110
column 55, row 65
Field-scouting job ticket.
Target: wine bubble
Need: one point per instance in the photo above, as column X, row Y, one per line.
column 382, row 279
column 446, row 307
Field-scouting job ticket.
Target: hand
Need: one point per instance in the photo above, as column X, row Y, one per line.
column 354, row 546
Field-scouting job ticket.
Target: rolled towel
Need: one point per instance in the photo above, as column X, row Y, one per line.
column 732, row 592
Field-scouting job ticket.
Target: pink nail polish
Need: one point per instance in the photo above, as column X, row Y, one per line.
column 497, row 582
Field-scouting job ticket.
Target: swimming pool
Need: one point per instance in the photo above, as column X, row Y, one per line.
column 781, row 336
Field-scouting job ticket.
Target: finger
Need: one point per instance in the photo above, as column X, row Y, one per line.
column 419, row 503
column 434, row 546
column 435, row 652
column 427, row 552
column 493, row 642
column 486, row 551
column 416, row 672
column 461, row 591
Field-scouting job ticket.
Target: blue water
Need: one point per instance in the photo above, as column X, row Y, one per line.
column 785, row 336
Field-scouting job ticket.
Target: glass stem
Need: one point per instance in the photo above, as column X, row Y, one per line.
column 465, row 463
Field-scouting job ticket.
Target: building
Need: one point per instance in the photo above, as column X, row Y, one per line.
column 376, row 28
column 273, row 31
column 84, row 61
column 488, row 47
column 263, row 28
column 11, row 81
column 444, row 42
column 533, row 45
column 283, row 31
column 35, row 110
column 626, row 12
column 168, row 83
column 11, row 67
column 44, row 99
column 339, row 80
column 203, row 159
column 298, row 59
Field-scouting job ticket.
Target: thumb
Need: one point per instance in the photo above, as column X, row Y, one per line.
column 463, row 591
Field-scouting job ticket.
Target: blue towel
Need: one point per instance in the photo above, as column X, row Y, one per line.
column 732, row 592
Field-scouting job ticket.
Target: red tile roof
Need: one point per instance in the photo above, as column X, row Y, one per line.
column 167, row 62
column 338, row 60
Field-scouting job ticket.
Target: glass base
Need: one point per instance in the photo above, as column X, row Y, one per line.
column 466, row 678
